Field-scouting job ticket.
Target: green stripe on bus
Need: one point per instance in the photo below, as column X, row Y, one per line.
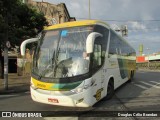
column 67, row 86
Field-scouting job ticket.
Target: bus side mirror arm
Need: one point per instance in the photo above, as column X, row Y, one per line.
column 90, row 41
column 24, row 43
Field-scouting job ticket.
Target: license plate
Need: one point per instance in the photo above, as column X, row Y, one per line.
column 53, row 100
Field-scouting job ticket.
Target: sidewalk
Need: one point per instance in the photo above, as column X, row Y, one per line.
column 16, row 84
column 148, row 70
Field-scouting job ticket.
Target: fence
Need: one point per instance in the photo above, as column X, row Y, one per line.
column 153, row 65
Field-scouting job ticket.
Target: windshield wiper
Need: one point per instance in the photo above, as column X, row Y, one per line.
column 45, row 70
column 53, row 59
column 51, row 66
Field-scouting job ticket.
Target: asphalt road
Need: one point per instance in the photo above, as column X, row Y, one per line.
column 142, row 94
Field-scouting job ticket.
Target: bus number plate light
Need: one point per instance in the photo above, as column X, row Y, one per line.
column 53, row 100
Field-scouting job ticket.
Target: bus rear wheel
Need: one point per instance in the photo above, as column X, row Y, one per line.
column 131, row 76
column 110, row 89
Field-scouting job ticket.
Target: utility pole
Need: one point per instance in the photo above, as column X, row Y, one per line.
column 6, row 67
column 89, row 11
column 123, row 29
column 6, row 54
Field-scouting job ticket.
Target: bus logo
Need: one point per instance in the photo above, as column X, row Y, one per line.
column 41, row 85
column 98, row 94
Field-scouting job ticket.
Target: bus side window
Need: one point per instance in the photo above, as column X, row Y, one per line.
column 114, row 45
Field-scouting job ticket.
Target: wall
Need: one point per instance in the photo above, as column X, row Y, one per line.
column 54, row 13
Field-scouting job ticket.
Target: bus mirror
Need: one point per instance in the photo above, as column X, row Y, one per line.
column 24, row 43
column 90, row 41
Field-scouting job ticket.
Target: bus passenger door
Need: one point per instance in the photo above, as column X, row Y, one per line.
column 113, row 68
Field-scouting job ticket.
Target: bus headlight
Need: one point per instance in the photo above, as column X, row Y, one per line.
column 88, row 83
column 85, row 85
column 77, row 90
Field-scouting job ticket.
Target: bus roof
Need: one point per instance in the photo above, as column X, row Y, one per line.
column 74, row 24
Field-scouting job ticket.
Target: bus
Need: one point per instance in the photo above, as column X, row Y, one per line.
column 79, row 63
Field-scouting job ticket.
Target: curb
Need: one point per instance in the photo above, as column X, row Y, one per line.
column 6, row 92
column 15, row 89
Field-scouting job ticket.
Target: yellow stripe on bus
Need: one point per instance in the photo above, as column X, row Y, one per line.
column 42, row 85
column 74, row 24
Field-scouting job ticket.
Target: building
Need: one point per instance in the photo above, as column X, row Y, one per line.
column 12, row 61
column 54, row 14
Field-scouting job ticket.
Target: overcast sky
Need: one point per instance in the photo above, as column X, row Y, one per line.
column 141, row 16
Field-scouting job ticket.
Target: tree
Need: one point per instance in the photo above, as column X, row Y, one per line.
column 18, row 22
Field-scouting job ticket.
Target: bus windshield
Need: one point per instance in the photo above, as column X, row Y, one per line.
column 61, row 53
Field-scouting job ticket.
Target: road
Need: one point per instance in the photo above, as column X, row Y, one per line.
column 142, row 94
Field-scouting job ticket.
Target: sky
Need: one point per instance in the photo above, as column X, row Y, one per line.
column 141, row 16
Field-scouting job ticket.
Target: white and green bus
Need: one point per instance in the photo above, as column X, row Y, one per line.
column 79, row 63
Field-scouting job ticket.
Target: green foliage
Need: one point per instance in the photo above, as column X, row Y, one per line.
column 18, row 22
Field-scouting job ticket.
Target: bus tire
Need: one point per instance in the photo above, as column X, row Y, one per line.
column 110, row 89
column 131, row 76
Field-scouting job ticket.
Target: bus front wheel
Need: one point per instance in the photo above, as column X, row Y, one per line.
column 110, row 89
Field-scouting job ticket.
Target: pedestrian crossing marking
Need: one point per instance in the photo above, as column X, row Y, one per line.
column 155, row 86
column 138, row 85
column 146, row 83
column 142, row 84
column 155, row 82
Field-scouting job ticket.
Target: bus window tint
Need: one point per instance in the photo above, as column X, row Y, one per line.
column 119, row 47
column 114, row 44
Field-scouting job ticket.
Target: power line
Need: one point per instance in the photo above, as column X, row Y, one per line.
column 144, row 29
column 131, row 29
column 134, row 20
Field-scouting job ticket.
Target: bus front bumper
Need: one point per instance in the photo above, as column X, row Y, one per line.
column 82, row 99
